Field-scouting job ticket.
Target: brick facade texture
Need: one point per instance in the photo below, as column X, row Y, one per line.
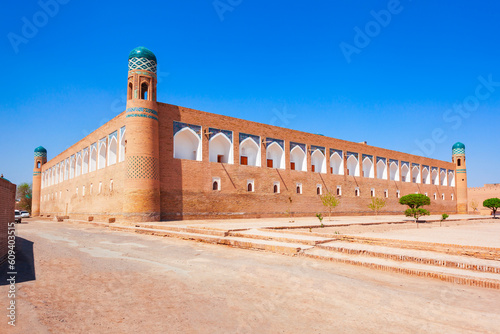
column 479, row 194
column 7, row 204
column 186, row 185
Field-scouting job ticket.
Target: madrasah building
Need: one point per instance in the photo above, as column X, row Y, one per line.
column 157, row 161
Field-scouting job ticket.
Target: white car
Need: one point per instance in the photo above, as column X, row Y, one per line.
column 17, row 217
column 25, row 214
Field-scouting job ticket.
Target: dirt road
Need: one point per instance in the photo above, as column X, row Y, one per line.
column 90, row 280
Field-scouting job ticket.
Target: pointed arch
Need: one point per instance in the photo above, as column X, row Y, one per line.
column 425, row 176
column 78, row 164
column 101, row 159
column 405, row 173
column 187, row 145
column 61, row 171
column 435, row 177
column 367, row 168
column 394, row 171
column 93, row 158
column 318, row 161
column 66, row 169
column 123, row 141
column 442, row 178
column 72, row 164
column 275, row 156
column 352, row 166
column 250, row 153
column 415, row 174
column 381, row 170
column 112, row 149
column 220, row 149
column 451, row 178
column 85, row 161
column 298, row 159
column 336, row 164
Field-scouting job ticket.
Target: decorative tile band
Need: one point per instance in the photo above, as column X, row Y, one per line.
column 384, row 160
column 392, row 161
column 244, row 136
column 405, row 163
column 415, row 165
column 339, row 152
column 434, row 169
column 280, row 142
column 152, row 74
column 352, row 154
column 425, row 167
column 294, row 145
column 213, row 132
column 458, row 151
column 370, row 157
column 320, row 148
column 139, row 167
column 136, row 109
column 443, row 170
column 178, row 126
column 142, row 64
column 142, row 115
column 41, row 154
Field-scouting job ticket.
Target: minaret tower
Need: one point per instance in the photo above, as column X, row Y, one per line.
column 40, row 159
column 142, row 184
column 460, row 177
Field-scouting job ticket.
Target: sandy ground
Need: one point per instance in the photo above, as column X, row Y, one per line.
column 91, row 280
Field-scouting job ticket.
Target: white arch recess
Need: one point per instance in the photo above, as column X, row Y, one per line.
column 394, row 171
column 93, row 159
column 442, row 178
column 72, row 167
column 61, row 172
column 405, row 173
column 451, row 178
column 435, row 177
column 220, row 149
column 85, row 162
column 415, row 174
column 336, row 164
column 123, row 138
column 250, row 149
column 381, row 170
column 78, row 165
column 56, row 179
column 367, row 168
column 353, row 166
column 101, row 161
column 425, row 176
column 187, row 145
column 66, row 170
column 112, row 150
column 53, row 176
column 275, row 153
column 318, row 161
column 298, row 157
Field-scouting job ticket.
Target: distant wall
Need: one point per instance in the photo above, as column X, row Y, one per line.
column 7, row 203
column 479, row 194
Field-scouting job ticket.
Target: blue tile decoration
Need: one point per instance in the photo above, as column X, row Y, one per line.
column 415, row 165
column 320, row 148
column 451, row 171
column 458, row 148
column 146, row 110
column 214, row 132
column 244, row 136
column 293, row 145
column 405, row 163
column 142, row 58
column 425, row 167
column 142, row 115
column 40, row 151
column 354, row 154
column 339, row 152
column 384, row 160
column 178, row 126
column 434, row 169
column 113, row 135
column 280, row 142
column 443, row 170
column 370, row 157
column 391, row 161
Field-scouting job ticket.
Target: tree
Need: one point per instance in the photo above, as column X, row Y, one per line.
column 414, row 202
column 474, row 205
column 24, row 196
column 376, row 204
column 331, row 201
column 493, row 204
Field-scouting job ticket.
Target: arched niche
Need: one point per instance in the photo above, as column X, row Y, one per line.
column 298, row 159
column 220, row 149
column 249, row 152
column 187, row 145
column 275, row 156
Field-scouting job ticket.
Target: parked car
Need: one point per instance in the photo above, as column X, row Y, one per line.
column 18, row 217
column 25, row 214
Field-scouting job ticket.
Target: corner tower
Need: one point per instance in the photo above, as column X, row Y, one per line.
column 40, row 160
column 142, row 184
column 458, row 152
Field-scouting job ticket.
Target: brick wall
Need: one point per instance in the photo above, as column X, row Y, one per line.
column 7, row 203
column 479, row 194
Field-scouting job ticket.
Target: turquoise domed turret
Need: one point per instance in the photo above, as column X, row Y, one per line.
column 142, row 58
column 40, row 151
column 458, row 148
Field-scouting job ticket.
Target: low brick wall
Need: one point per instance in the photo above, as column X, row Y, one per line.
column 7, row 203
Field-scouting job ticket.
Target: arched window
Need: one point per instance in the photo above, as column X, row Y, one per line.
column 249, row 152
column 187, row 145
column 38, row 164
column 425, row 175
column 394, row 171
column 101, row 162
column 250, row 187
column 123, row 141
column 336, row 164
column 144, row 91
column 85, row 162
column 415, row 174
column 275, row 156
column 275, row 189
column 352, row 166
column 381, row 170
column 356, row 192
column 405, row 173
column 372, row 192
column 298, row 190
column 112, row 149
column 318, row 190
column 318, row 163
column 298, row 159
column 215, row 185
column 339, row 191
column 220, row 149
column 367, row 167
column 93, row 158
column 130, row 88
column 459, row 162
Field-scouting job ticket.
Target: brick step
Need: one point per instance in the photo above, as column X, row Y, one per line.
column 278, row 236
column 416, row 256
column 487, row 253
column 459, row 276
column 183, row 228
column 246, row 243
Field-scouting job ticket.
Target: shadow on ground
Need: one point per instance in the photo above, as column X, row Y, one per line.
column 24, row 266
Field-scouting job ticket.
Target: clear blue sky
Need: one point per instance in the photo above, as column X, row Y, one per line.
column 276, row 62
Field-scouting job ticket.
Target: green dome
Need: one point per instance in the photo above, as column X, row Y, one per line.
column 458, row 148
column 458, row 145
column 142, row 52
column 40, row 149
